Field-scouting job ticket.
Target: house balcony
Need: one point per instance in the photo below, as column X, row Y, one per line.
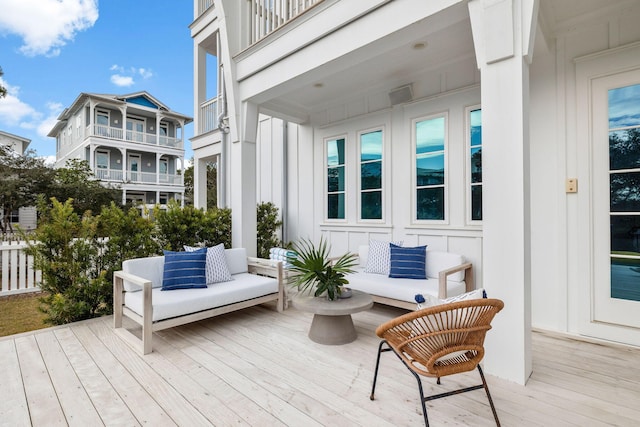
column 118, row 175
column 114, row 133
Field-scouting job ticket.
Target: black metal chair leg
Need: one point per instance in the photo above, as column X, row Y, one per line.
column 486, row 388
column 375, row 375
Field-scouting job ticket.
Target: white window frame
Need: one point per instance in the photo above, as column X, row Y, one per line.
column 134, row 119
column 469, row 184
column 359, row 190
column 325, row 144
column 108, row 153
column 414, row 157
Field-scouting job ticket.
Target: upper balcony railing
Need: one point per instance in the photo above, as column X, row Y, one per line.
column 269, row 15
column 208, row 116
column 203, row 5
column 141, row 137
column 120, row 175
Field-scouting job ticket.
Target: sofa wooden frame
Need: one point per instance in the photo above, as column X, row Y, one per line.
column 258, row 266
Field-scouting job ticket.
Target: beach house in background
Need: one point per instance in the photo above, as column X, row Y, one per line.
column 133, row 142
column 505, row 130
column 25, row 217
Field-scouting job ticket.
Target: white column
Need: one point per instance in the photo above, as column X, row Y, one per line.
column 242, row 181
column 200, row 86
column 200, row 183
column 503, row 39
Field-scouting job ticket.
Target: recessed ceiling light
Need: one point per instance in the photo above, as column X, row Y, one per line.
column 419, row 45
column 318, row 84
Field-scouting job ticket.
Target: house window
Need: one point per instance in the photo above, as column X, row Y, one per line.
column 164, row 198
column 102, row 123
column 475, row 162
column 371, row 175
column 430, row 135
column 102, row 159
column 135, row 129
column 624, row 179
column 14, row 218
column 335, row 178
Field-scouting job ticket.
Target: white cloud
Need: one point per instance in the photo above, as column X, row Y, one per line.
column 145, row 73
column 121, row 81
column 12, row 110
column 49, row 160
column 47, row 25
column 45, row 126
column 126, row 76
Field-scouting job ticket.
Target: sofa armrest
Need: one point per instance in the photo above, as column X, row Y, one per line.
column 270, row 268
column 467, row 267
column 147, row 304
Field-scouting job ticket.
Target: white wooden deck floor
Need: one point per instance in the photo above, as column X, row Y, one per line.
column 258, row 368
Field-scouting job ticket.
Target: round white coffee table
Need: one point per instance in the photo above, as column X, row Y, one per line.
column 332, row 323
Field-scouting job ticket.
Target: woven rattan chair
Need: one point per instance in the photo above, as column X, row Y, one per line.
column 439, row 341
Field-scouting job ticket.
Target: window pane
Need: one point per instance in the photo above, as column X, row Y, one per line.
column 475, row 118
column 371, row 146
column 335, row 206
column 476, row 202
column 476, row 165
column 624, row 149
column 164, row 166
column 624, row 106
column 102, row 119
column 371, row 203
column 430, row 203
column 102, row 160
column 625, row 192
column 430, row 169
column 430, row 135
column 335, row 152
column 371, row 175
column 335, row 179
column 625, row 279
column 625, row 234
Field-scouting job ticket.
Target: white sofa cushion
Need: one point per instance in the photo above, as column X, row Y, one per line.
column 237, row 260
column 186, row 301
column 150, row 268
column 400, row 289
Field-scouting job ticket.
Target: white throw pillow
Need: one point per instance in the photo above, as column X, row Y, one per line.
column 216, row 268
column 379, row 258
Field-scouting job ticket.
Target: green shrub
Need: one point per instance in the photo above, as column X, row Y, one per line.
column 268, row 223
column 68, row 252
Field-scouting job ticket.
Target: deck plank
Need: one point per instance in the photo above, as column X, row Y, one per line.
column 76, row 404
column 258, row 367
column 13, row 404
column 109, row 405
column 145, row 409
column 44, row 406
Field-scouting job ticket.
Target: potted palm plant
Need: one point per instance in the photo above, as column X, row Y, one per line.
column 314, row 271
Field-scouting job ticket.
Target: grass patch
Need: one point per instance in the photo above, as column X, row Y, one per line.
column 19, row 313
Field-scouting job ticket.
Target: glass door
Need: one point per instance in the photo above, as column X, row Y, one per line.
column 134, row 167
column 135, row 129
column 616, row 196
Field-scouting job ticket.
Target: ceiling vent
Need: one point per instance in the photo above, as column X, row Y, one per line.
column 401, row 95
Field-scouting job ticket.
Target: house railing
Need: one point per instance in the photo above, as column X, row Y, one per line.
column 141, row 137
column 269, row 15
column 17, row 274
column 209, row 115
column 203, row 5
column 137, row 177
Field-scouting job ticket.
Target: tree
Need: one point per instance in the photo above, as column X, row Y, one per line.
column 3, row 90
column 75, row 181
column 212, row 185
column 22, row 178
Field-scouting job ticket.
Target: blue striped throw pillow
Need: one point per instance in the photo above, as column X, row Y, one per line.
column 408, row 263
column 184, row 270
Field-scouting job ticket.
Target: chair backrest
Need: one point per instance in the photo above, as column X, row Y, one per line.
column 442, row 340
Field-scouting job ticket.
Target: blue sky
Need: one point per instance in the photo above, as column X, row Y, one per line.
column 51, row 50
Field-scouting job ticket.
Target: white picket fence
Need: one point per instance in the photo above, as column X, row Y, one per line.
column 17, row 274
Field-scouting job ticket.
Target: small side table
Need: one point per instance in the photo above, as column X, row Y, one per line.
column 332, row 323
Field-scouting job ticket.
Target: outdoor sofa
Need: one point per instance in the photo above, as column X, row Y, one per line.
column 138, row 293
